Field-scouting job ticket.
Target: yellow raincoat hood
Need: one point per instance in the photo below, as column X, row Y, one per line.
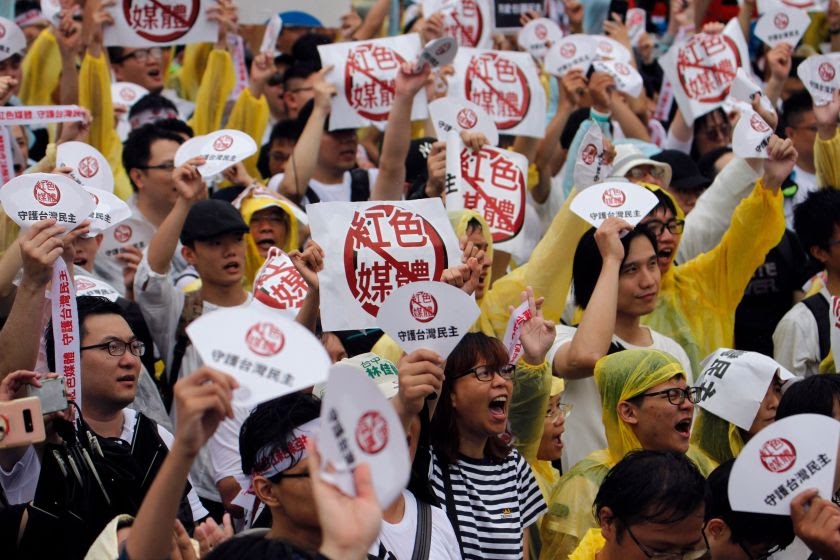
column 254, row 203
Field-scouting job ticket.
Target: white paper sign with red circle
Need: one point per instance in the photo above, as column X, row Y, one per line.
column 269, row 354
column 573, row 52
column 702, row 68
column 110, row 210
column 782, row 26
column 359, row 425
column 30, row 198
column 591, row 166
column 751, row 135
column 821, row 75
column 627, row 78
column 12, row 39
column 470, row 22
column 365, row 74
column 636, row 21
column 431, row 315
column 506, row 85
column 764, row 6
column 132, row 232
column 537, row 37
column 371, row 249
column 513, row 331
column 607, row 48
column 272, row 32
column 783, row 460
column 493, row 183
column 453, row 113
column 89, row 166
column 160, row 23
column 439, row 52
column 127, row 93
column 90, row 286
column 614, row 199
column 735, row 382
column 279, row 285
column 220, row 149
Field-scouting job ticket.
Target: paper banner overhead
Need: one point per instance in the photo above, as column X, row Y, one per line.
column 372, row 248
column 160, row 23
column 452, row 113
column 365, row 75
column 614, row 199
column 34, row 197
column 470, row 22
column 506, row 86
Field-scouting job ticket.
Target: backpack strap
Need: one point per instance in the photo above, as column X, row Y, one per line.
column 193, row 307
column 311, row 196
column 451, row 512
column 423, row 536
column 818, row 306
column 615, row 347
column 359, row 185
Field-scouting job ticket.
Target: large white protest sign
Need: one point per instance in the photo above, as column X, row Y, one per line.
column 110, row 210
column 734, row 382
column 316, row 14
column 607, row 48
column 452, row 113
column 88, row 165
column 702, row 68
column 627, row 79
column 431, row 315
column 513, row 331
column 506, row 85
column 783, row 460
column 34, row 197
column 160, row 23
column 782, row 26
column 279, row 285
column 537, row 37
column 12, row 39
column 372, row 248
column 469, row 21
column 359, row 425
column 751, row 135
column 220, row 150
column 269, row 354
column 591, row 164
column 574, row 52
column 365, row 74
column 821, row 77
column 493, row 183
column 614, row 199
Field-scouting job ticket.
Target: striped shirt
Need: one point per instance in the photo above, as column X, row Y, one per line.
column 495, row 503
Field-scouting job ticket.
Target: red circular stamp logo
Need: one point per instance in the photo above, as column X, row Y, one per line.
column 47, row 193
column 83, row 284
column 540, row 31
column 223, row 142
column 614, row 197
column 467, row 118
column 777, row 455
column 128, row 94
column 496, row 84
column 370, row 80
column 443, row 49
column 758, row 124
column 781, row 21
column 706, row 65
column 161, row 21
column 826, row 71
column 265, row 339
column 588, row 154
column 372, row 433
column 622, row 69
column 568, row 50
column 464, row 22
column 2, row 31
column 122, row 233
column 88, row 167
column 605, row 47
column 387, row 247
column 423, row 306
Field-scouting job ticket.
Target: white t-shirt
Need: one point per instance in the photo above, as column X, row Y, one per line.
column 796, row 340
column 396, row 541
column 20, row 483
column 339, row 192
column 585, row 424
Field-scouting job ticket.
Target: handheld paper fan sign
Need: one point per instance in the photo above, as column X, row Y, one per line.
column 570, row 53
column 269, row 354
column 627, row 79
column 279, row 285
column 513, row 331
column 439, row 52
column 614, row 199
column 537, row 37
column 110, row 210
column 782, row 25
column 126, row 93
column 751, row 135
column 607, row 48
column 821, row 77
column 89, row 166
column 452, row 113
column 12, row 39
column 591, row 166
column 431, row 315
column 272, row 32
column 783, row 460
column 220, row 150
column 359, row 425
column 34, row 197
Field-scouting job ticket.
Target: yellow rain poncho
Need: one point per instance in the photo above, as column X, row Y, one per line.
column 253, row 260
column 619, row 377
column 590, row 546
column 718, row 439
column 41, row 70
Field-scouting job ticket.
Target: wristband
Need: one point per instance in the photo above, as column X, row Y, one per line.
column 599, row 116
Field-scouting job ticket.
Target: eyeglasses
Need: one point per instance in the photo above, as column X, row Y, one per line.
column 690, row 555
column 720, row 131
column 761, row 556
column 275, row 479
column 640, row 171
column 117, row 347
column 657, row 227
column 299, row 89
column 142, row 55
column 165, row 166
column 560, row 409
column 677, row 396
column 486, row 373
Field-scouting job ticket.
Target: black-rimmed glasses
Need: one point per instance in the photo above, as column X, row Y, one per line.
column 117, row 347
column 657, row 227
column 690, row 555
column 677, row 396
column 486, row 373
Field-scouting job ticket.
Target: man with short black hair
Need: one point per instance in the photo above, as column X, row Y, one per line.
column 799, row 123
column 298, row 86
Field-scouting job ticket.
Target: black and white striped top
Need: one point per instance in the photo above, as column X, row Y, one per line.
column 495, row 504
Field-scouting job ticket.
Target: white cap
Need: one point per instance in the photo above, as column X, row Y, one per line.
column 628, row 156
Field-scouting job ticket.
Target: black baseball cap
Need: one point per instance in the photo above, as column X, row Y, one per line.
column 685, row 176
column 211, row 218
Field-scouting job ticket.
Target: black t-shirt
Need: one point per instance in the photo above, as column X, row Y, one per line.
column 257, row 547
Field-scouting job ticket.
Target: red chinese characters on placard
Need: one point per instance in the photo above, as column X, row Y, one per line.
column 423, row 306
column 265, row 339
column 387, row 247
column 706, row 65
column 88, row 167
column 777, row 455
column 280, row 285
column 372, row 433
column 47, row 193
column 66, row 333
column 370, row 80
column 161, row 20
column 465, row 23
column 496, row 84
column 496, row 190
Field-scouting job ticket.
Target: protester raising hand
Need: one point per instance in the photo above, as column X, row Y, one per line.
column 189, row 182
column 781, row 158
column 608, row 239
column 421, row 376
column 826, row 116
column 817, row 522
column 537, row 333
